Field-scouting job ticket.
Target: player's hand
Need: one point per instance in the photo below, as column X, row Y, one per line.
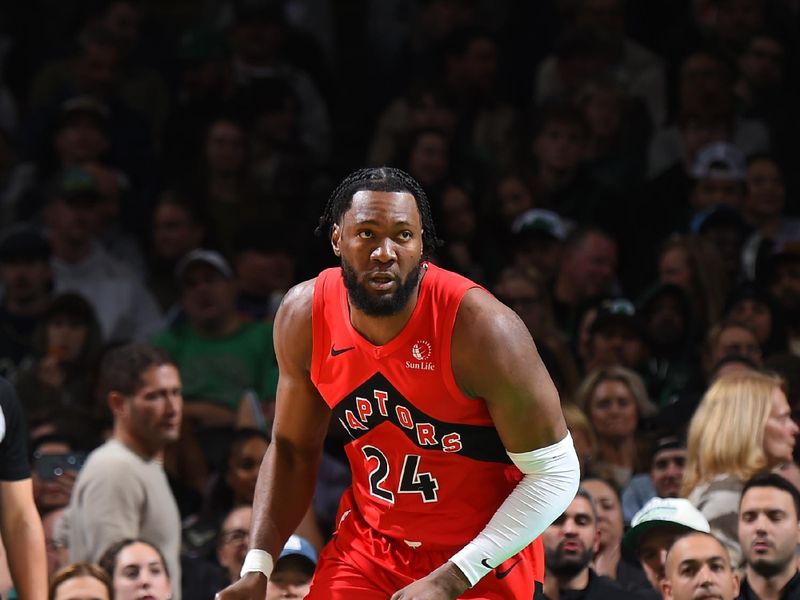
column 445, row 583
column 253, row 586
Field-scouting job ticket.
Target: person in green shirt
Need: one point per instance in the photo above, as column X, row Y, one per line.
column 221, row 357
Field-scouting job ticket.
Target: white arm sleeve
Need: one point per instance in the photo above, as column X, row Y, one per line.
column 551, row 480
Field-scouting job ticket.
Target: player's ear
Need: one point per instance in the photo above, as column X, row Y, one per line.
column 336, row 236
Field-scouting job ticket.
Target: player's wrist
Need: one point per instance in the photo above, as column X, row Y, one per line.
column 257, row 561
column 459, row 581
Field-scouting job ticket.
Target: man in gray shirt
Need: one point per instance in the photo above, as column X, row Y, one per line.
column 122, row 491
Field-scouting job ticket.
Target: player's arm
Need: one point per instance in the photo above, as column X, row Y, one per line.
column 494, row 358
column 289, row 470
column 23, row 537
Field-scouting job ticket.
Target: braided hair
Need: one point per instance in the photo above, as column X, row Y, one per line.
column 379, row 179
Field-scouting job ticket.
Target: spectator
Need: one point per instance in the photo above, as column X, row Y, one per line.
column 618, row 132
column 769, row 533
column 698, row 566
column 232, row 487
column 617, row 337
column 468, row 64
column 663, row 480
column 705, row 114
column 293, row 570
column 55, row 462
column 225, row 190
column 124, row 307
column 637, row 67
column 748, row 303
column 570, row 544
column 466, row 251
column 653, row 531
column 282, row 167
column 729, row 339
column 669, row 462
column 761, row 86
column 673, row 366
column 114, row 221
column 588, row 269
column 138, row 569
column 20, row 526
column 78, row 136
column 265, row 270
column 233, row 541
column 558, row 146
column 424, row 106
column 726, row 229
column 178, row 228
column 694, row 264
column 26, row 280
column 512, row 198
column 615, row 400
column 608, row 560
column 258, row 39
column 17, row 179
column 428, row 157
column 81, row 580
column 537, row 241
column 57, row 551
column 204, row 88
column 719, row 173
column 62, row 367
column 753, row 431
column 122, row 491
column 525, row 292
column 765, row 201
column 213, row 329
column 780, row 275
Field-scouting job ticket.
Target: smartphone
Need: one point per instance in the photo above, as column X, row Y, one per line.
column 50, row 466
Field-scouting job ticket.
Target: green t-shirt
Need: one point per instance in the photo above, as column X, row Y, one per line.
column 219, row 370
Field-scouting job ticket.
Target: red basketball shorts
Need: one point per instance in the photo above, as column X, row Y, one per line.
column 361, row 564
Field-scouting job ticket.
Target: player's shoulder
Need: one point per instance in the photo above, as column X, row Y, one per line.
column 299, row 299
column 294, row 313
column 479, row 310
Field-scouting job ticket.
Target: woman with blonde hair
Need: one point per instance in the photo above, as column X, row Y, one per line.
column 615, row 401
column 742, row 426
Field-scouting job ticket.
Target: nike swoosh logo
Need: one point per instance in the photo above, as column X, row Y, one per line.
column 500, row 574
column 337, row 352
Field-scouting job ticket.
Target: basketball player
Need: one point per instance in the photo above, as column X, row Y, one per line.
column 458, row 449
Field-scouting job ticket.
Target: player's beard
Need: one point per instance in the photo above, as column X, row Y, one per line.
column 384, row 305
column 562, row 566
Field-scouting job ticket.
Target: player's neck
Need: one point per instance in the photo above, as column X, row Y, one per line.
column 381, row 330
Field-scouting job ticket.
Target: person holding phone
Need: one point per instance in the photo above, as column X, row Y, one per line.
column 55, row 462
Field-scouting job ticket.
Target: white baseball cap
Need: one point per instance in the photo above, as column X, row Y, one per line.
column 676, row 512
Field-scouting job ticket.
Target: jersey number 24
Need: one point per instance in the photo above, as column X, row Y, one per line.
column 411, row 480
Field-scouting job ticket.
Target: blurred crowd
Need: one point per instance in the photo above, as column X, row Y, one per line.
column 623, row 174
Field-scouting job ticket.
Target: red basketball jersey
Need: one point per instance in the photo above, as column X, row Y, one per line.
column 428, row 466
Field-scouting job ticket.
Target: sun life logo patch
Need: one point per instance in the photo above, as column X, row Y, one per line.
column 421, row 350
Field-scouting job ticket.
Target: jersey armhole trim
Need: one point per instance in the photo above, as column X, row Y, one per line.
column 448, row 327
column 318, row 326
